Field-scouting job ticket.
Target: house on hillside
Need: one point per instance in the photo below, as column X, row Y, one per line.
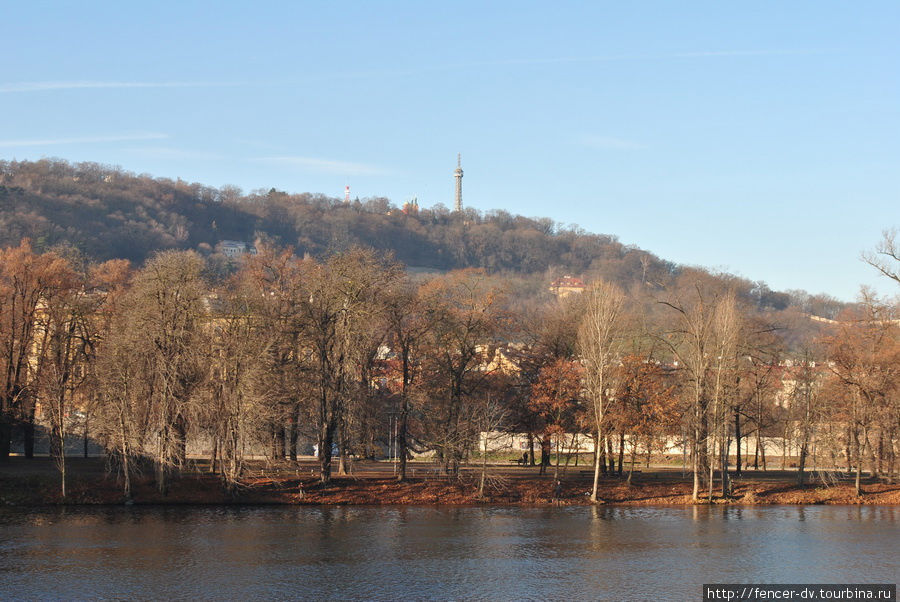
column 502, row 359
column 567, row 285
column 235, row 248
column 793, row 379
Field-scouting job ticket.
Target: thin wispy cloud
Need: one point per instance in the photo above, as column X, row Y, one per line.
column 82, row 140
column 166, row 152
column 740, row 53
column 611, row 58
column 324, row 165
column 49, row 86
column 610, row 143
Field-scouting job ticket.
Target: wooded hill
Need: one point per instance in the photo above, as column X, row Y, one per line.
column 108, row 213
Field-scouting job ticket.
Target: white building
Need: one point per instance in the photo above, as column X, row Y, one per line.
column 235, row 248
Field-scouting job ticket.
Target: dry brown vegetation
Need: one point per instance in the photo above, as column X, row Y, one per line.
column 34, row 483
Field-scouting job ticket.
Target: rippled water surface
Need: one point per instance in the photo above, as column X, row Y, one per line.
column 436, row 553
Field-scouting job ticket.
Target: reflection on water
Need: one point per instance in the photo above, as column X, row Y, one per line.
column 398, row 552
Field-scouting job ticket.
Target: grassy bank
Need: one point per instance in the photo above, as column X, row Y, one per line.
column 34, row 482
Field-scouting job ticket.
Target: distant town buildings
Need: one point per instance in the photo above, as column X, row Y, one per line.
column 567, row 285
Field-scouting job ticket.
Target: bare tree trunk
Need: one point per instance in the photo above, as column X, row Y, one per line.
column 161, row 476
column 180, row 428
column 610, row 455
column 785, row 445
column 801, row 463
column 878, row 455
column 858, row 462
column 756, row 452
column 62, row 472
column 273, row 442
column 58, row 451
column 483, row 470
column 726, row 481
column 621, row 451
column 760, row 446
column 762, row 454
column 162, row 482
column 126, row 465
column 869, row 452
column 402, row 446
column 695, row 468
column 804, row 443
column 556, row 464
column 603, row 468
column 545, row 453
column 326, row 439
column 28, row 431
column 847, row 449
column 126, row 471
column 700, row 448
column 295, row 430
column 711, row 461
column 215, row 455
column 597, row 459
column 711, row 455
column 344, row 460
column 631, row 469
column 5, row 436
column 890, row 456
column 85, row 436
column 280, row 441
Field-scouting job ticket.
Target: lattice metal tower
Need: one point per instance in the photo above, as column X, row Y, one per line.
column 458, row 174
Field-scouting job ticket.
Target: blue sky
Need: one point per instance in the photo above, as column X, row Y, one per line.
column 760, row 138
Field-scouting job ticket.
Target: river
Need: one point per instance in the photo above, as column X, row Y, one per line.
column 391, row 553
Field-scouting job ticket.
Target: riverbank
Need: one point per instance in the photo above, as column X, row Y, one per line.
column 34, row 482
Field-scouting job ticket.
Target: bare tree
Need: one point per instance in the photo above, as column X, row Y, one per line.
column 408, row 322
column 272, row 283
column 26, row 280
column 64, row 346
column 865, row 358
column 555, row 397
column 342, row 297
column 164, row 310
column 805, row 409
column 647, row 408
column 703, row 342
column 726, row 332
column 601, row 343
column 466, row 316
column 886, row 257
column 233, row 412
column 117, row 375
column 113, row 375
column 546, row 333
column 487, row 418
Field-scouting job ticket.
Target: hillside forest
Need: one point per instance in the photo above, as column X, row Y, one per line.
column 107, row 213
